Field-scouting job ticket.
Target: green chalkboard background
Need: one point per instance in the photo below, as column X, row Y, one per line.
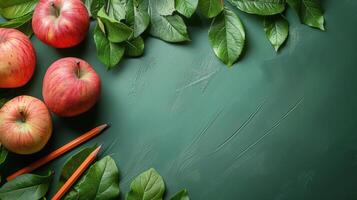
column 274, row 126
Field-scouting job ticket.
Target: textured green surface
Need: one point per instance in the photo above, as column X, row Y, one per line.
column 275, row 126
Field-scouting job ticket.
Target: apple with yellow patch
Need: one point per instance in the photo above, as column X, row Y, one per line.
column 25, row 125
column 60, row 23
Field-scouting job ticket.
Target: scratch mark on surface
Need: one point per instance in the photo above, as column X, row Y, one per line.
column 241, row 127
column 196, row 140
column 270, row 130
column 199, row 80
column 205, row 128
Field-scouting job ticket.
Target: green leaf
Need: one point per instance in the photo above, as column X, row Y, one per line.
column 22, row 23
column 116, row 9
column 210, row 8
column 260, row 7
column 276, row 29
column 135, row 47
column 182, row 195
column 309, row 11
column 73, row 163
column 227, row 36
column 101, row 182
column 147, row 186
column 168, row 28
column 186, row 7
column 11, row 9
column 115, row 31
column 95, row 6
column 3, row 153
column 137, row 16
column 165, row 7
column 108, row 53
column 27, row 186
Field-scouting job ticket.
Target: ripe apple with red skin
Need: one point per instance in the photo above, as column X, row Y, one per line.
column 70, row 87
column 60, row 23
column 25, row 125
column 17, row 58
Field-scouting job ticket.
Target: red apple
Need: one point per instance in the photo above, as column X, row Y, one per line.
column 17, row 58
column 60, row 23
column 25, row 125
column 70, row 87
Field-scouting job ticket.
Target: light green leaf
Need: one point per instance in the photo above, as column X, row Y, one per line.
column 115, row 31
column 108, row 53
column 276, row 29
column 135, row 47
column 137, row 16
column 260, row 7
column 309, row 11
column 186, row 7
column 27, row 186
column 95, row 6
column 116, row 9
column 210, row 8
column 182, row 195
column 73, row 163
column 101, row 182
column 147, row 186
column 11, row 9
column 227, row 36
column 165, row 7
column 22, row 24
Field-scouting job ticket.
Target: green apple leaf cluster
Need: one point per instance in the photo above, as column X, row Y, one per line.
column 101, row 181
column 19, row 14
column 122, row 25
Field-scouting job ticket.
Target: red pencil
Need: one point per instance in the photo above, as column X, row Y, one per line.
column 58, row 152
column 76, row 174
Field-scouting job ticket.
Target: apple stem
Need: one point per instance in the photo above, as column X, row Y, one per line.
column 78, row 69
column 56, row 9
column 22, row 115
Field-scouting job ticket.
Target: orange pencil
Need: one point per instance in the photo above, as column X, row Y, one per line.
column 76, row 174
column 58, row 152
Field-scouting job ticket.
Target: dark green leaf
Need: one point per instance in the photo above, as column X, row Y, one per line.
column 309, row 11
column 169, row 28
column 108, row 53
column 137, row 16
column 11, row 9
column 134, row 47
column 147, row 186
column 260, row 7
column 116, row 9
column 27, row 186
column 276, row 29
column 26, row 29
column 101, row 182
column 73, row 163
column 210, row 8
column 186, row 7
column 182, row 195
column 115, row 31
column 95, row 6
column 3, row 153
column 227, row 36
